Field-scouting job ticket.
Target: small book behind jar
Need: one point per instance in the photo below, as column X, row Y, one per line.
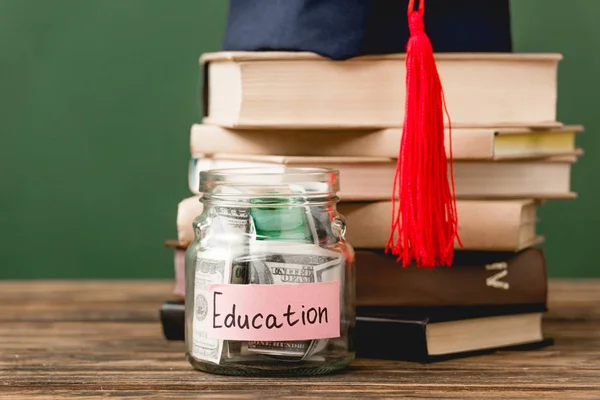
column 269, row 275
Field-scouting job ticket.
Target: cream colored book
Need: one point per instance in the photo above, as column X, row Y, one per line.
column 473, row 334
column 187, row 210
column 304, row 90
column 482, row 225
column 371, row 178
column 467, row 143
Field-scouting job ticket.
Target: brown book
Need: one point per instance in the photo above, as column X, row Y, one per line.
column 467, row 143
column 371, row 178
column 476, row 278
column 508, row 225
column 304, row 90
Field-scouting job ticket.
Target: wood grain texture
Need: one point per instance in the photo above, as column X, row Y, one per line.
column 121, row 300
column 61, row 340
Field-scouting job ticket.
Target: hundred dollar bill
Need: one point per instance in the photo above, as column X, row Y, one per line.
column 248, row 354
column 211, row 267
column 273, row 262
column 219, row 263
column 234, row 220
column 233, row 226
column 239, row 275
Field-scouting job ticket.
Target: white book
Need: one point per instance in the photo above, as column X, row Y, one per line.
column 304, row 90
column 371, row 178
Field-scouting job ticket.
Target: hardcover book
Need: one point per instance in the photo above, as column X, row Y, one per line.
column 423, row 339
column 278, row 89
column 508, row 225
column 420, row 338
column 476, row 278
column 371, row 178
column 467, row 143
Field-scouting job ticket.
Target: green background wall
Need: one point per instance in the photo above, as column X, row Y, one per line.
column 97, row 98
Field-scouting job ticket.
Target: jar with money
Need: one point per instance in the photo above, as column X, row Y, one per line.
column 269, row 275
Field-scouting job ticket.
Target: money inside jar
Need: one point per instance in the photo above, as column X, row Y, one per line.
column 283, row 249
column 272, row 236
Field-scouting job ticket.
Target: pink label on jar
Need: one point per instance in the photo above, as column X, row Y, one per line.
column 274, row 312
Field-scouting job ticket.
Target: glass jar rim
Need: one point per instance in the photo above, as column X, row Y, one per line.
column 319, row 180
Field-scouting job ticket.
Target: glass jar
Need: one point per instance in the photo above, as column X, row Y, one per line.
column 269, row 275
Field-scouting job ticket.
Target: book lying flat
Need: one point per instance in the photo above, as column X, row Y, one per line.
column 304, row 90
column 467, row 144
column 371, row 178
column 501, row 225
column 475, row 278
column 424, row 339
column 420, row 339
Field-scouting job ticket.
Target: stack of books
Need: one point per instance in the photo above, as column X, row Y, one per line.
column 510, row 156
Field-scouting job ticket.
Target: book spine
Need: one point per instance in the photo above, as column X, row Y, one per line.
column 476, row 278
column 172, row 319
column 397, row 340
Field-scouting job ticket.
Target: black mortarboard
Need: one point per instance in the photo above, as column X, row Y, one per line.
column 424, row 225
column 340, row 29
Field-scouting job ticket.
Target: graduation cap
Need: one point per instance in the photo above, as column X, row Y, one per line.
column 424, row 221
column 340, row 29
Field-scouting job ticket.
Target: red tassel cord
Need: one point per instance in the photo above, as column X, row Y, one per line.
column 424, row 224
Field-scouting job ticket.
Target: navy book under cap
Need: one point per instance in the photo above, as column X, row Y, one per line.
column 340, row 29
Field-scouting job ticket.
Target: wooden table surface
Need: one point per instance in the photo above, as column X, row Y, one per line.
column 103, row 340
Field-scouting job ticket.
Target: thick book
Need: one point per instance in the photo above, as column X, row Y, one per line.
column 371, row 178
column 476, row 278
column 420, row 338
column 274, row 89
column 467, row 143
column 425, row 339
column 500, row 225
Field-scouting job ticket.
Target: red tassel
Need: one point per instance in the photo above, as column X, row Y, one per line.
column 425, row 226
